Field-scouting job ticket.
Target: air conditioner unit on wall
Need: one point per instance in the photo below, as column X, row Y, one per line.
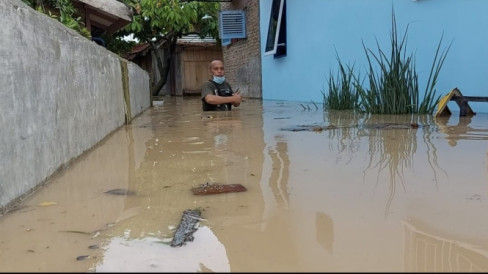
column 232, row 24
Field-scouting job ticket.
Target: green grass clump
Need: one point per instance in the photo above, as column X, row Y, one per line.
column 342, row 94
column 393, row 82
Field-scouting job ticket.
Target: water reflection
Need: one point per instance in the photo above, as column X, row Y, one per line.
column 462, row 130
column 427, row 252
column 151, row 254
column 356, row 197
column 391, row 143
column 348, row 132
column 325, row 231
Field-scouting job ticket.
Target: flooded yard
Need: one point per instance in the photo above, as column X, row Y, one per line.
column 326, row 191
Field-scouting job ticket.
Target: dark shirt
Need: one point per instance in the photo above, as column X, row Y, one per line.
column 210, row 87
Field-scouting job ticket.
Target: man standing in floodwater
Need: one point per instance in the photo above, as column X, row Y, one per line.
column 217, row 93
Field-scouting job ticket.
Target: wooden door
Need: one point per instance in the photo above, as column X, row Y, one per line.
column 195, row 62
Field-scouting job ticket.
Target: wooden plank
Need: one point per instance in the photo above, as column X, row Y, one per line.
column 208, row 189
column 442, row 108
column 196, row 73
column 202, row 74
column 464, row 108
column 195, row 67
column 190, row 77
column 184, row 56
column 470, row 98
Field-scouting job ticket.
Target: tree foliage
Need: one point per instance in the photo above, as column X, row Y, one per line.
column 161, row 22
column 157, row 18
column 61, row 10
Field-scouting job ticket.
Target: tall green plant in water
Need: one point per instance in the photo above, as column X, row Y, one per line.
column 393, row 87
column 342, row 91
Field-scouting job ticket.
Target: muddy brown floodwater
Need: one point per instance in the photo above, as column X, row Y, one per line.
column 326, row 191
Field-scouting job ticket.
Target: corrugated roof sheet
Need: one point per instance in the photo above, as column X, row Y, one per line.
column 193, row 38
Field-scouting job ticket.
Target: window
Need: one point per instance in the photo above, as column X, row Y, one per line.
column 276, row 40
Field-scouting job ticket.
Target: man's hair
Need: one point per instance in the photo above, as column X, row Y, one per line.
column 213, row 62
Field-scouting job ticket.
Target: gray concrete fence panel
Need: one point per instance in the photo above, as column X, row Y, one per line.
column 60, row 94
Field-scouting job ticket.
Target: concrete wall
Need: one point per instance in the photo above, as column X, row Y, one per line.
column 60, row 95
column 317, row 29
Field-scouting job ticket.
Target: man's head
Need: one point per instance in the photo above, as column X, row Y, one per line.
column 216, row 68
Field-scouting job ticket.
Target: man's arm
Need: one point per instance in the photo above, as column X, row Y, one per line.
column 235, row 99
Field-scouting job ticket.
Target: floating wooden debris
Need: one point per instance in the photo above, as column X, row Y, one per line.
column 310, row 128
column 316, row 128
column 82, row 257
column 391, row 126
column 208, row 189
column 462, row 102
column 186, row 228
column 120, row 191
column 77, row 231
column 47, row 203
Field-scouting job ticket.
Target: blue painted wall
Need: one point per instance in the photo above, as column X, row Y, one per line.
column 316, row 29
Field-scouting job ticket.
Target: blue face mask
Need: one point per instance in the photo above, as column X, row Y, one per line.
column 219, row 80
